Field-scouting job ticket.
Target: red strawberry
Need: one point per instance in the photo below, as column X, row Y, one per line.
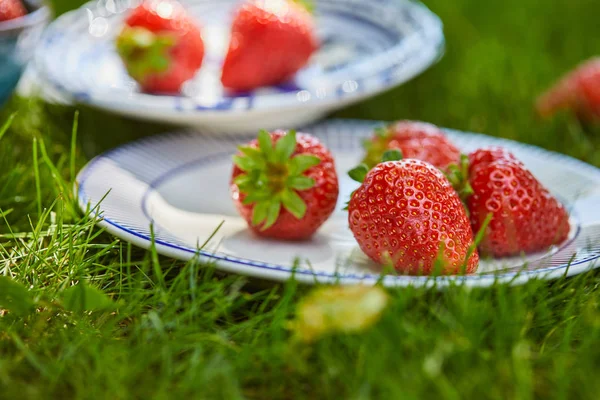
column 161, row 46
column 408, row 213
column 418, row 140
column 525, row 216
column 270, row 41
column 284, row 184
column 579, row 90
column 11, row 9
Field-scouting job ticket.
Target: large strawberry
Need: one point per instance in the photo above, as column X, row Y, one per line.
column 11, row 9
column 284, row 184
column 418, row 140
column 579, row 91
column 161, row 46
column 524, row 215
column 270, row 41
column 407, row 213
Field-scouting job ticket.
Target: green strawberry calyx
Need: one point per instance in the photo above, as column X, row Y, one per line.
column 272, row 177
column 144, row 52
column 376, row 146
column 309, row 5
column 458, row 175
column 359, row 173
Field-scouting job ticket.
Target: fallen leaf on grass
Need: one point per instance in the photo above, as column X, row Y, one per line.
column 334, row 309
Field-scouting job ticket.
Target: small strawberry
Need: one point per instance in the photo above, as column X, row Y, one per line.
column 407, row 213
column 284, row 184
column 161, row 46
column 11, row 9
column 418, row 140
column 270, row 41
column 524, row 215
column 579, row 91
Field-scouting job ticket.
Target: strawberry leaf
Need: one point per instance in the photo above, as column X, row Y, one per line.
column 391, row 155
column 302, row 163
column 244, row 163
column 359, row 173
column 293, row 203
column 272, row 214
column 285, row 147
column 250, row 152
column 259, row 214
column 257, row 196
column 266, row 145
column 301, row 182
column 243, row 179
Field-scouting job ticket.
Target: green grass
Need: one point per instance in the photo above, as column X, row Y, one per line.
column 151, row 327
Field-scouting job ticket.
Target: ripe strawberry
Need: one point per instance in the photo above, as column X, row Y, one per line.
column 284, row 184
column 579, row 90
column 525, row 216
column 270, row 41
column 161, row 46
column 408, row 213
column 418, row 140
column 11, row 9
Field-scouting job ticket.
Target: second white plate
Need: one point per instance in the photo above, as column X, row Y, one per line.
column 366, row 47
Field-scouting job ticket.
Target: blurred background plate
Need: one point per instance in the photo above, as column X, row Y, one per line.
column 367, row 48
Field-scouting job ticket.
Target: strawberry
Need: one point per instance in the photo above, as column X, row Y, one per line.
column 579, row 91
column 11, row 9
column 407, row 213
column 524, row 215
column 161, row 46
column 418, row 140
column 284, row 184
column 270, row 41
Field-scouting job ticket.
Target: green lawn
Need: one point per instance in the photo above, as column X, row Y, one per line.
column 183, row 331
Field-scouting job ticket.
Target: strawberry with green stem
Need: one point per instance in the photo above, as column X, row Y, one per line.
column 418, row 140
column 525, row 217
column 284, row 184
column 407, row 214
column 161, row 46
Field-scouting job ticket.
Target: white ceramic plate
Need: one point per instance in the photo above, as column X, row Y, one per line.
column 179, row 183
column 367, row 47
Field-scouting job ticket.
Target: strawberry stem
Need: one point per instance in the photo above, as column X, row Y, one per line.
column 376, row 146
column 360, row 172
column 458, row 175
column 272, row 178
column 391, row 155
column 309, row 5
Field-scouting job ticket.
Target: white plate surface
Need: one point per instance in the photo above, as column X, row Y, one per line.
column 179, row 184
column 367, row 47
